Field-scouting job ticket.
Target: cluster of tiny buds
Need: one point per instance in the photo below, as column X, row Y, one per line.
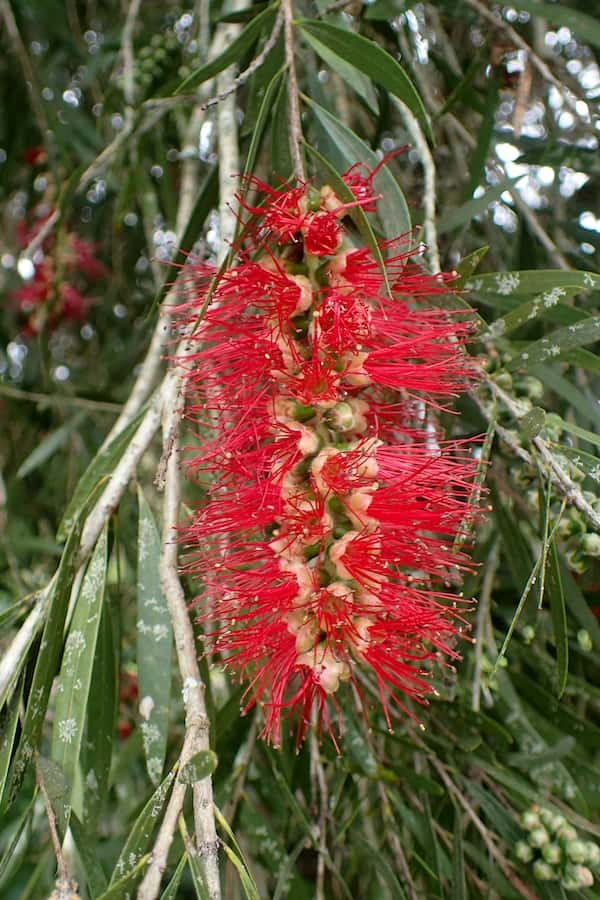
column 555, row 849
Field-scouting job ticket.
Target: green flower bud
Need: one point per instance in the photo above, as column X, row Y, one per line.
column 542, row 871
column 576, row 877
column 576, row 851
column 533, row 387
column 558, row 822
column 523, row 851
column 590, row 545
column 552, row 853
column 530, row 819
column 576, row 562
column 504, row 380
column 584, row 640
column 593, row 853
column 528, row 634
column 539, row 837
column 567, row 833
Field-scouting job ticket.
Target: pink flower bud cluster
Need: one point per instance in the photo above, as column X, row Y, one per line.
column 333, row 498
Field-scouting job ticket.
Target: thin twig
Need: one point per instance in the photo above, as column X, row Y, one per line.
column 127, row 50
column 196, row 719
column 61, row 866
column 563, row 482
column 432, row 253
column 537, row 62
column 60, row 400
column 294, row 120
column 243, row 77
column 10, row 664
column 317, row 770
column 493, row 850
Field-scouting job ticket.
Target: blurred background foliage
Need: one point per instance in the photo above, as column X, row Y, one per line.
column 497, row 794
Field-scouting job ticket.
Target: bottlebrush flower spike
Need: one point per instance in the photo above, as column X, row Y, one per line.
column 326, row 539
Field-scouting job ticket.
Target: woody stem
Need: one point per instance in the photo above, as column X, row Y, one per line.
column 294, row 121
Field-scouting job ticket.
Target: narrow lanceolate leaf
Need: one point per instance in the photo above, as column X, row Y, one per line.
column 100, row 467
column 542, row 306
column 587, row 331
column 94, row 873
column 468, row 265
column 392, row 210
column 172, row 889
column 371, row 59
column 531, row 281
column 57, row 789
column 154, row 644
column 459, row 889
column 462, row 215
column 231, row 54
column 96, row 751
column 124, row 888
column 50, row 445
column 78, row 660
column 8, row 728
column 585, row 462
column 48, row 656
column 558, row 612
column 140, row 837
column 351, row 75
column 236, row 857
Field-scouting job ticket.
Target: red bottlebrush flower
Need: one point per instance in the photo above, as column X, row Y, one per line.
column 83, row 259
column 73, row 306
column 321, row 234
column 334, row 501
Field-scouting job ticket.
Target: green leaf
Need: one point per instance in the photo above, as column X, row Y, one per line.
column 542, row 306
column 484, row 138
column 198, row 877
column 554, row 381
column 51, row 443
column 231, row 54
column 559, row 618
column 371, row 59
column 99, row 468
column 123, row 888
column 94, row 873
column 12, row 614
column 459, row 888
column 48, row 655
column 264, row 111
column 198, row 767
column 171, row 890
column 586, row 462
column 280, row 139
column 154, row 644
column 11, row 851
column 102, row 705
column 468, row 265
column 587, row 331
column 531, row 281
column 57, row 789
column 236, row 857
column 351, row 75
column 584, row 26
column 582, row 433
column 78, row 659
column 8, row 729
column 454, row 218
column 140, row 837
column 392, row 210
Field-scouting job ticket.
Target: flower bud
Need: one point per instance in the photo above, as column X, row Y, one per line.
column 523, row 851
column 584, row 640
column 539, row 837
column 590, row 545
column 530, row 819
column 543, row 871
column 593, row 853
column 576, row 851
column 552, row 853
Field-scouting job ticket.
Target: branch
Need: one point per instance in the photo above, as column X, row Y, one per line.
column 411, row 124
column 563, row 482
column 196, row 719
column 294, row 120
column 60, row 400
column 65, row 885
column 127, row 50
